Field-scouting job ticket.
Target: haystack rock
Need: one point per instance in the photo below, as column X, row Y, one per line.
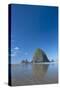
column 39, row 56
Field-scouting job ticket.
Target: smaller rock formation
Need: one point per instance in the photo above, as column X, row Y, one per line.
column 25, row 61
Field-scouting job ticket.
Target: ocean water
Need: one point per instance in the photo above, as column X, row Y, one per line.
column 30, row 74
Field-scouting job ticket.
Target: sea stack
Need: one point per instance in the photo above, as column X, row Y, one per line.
column 39, row 56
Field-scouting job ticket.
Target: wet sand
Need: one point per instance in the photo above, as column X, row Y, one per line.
column 30, row 74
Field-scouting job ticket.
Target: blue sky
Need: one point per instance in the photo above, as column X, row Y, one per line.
column 33, row 27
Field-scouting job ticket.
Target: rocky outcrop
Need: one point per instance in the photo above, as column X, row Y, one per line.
column 39, row 56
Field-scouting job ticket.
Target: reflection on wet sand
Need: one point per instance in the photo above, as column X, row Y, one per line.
column 29, row 74
column 39, row 70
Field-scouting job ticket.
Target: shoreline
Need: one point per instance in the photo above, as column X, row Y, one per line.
column 36, row 63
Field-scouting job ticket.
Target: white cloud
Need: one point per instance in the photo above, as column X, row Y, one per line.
column 16, row 48
column 12, row 55
column 14, row 51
